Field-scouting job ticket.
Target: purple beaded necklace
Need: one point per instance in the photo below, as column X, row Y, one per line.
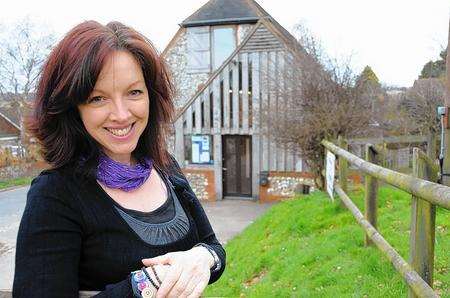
column 118, row 175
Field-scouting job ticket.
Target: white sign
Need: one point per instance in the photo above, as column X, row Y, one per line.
column 330, row 173
column 200, row 149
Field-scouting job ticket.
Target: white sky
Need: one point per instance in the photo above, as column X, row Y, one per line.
column 395, row 37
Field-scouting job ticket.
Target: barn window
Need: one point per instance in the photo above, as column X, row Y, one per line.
column 198, row 48
column 224, row 43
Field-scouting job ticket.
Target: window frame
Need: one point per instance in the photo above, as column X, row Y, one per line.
column 212, row 46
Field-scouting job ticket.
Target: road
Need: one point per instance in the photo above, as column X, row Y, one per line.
column 228, row 218
column 12, row 203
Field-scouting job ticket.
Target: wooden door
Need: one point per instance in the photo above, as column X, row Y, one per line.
column 237, row 162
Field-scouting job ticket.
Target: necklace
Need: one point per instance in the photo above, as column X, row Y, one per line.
column 118, row 175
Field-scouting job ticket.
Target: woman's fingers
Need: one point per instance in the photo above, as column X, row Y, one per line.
column 172, row 276
column 161, row 270
column 164, row 259
column 187, row 275
column 198, row 290
column 196, row 277
column 183, row 284
column 189, row 289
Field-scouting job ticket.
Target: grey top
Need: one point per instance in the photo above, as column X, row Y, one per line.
column 164, row 225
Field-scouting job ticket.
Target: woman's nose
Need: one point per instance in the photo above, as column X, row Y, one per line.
column 120, row 110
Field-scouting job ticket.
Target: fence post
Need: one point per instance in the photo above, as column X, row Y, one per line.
column 343, row 165
column 431, row 145
column 423, row 222
column 371, row 192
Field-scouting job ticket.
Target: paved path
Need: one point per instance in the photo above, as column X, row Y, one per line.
column 228, row 218
column 12, row 203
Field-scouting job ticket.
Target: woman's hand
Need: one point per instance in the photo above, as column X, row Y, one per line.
column 161, row 271
column 188, row 274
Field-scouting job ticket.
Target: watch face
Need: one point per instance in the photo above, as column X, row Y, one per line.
column 148, row 293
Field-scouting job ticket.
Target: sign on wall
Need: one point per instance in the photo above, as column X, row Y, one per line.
column 201, row 152
column 331, row 159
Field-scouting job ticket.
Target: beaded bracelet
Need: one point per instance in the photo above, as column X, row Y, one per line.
column 142, row 283
column 156, row 275
column 149, row 278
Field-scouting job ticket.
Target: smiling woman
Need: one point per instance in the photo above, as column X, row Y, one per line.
column 116, row 112
column 115, row 213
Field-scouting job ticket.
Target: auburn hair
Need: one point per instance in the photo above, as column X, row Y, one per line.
column 68, row 78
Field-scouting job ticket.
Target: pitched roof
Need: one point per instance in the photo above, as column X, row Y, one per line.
column 10, row 115
column 219, row 12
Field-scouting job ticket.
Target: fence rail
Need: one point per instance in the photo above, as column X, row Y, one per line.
column 434, row 193
column 426, row 195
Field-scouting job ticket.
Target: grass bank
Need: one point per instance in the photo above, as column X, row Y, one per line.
column 310, row 247
column 15, row 182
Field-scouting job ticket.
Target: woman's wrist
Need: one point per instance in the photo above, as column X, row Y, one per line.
column 206, row 254
column 214, row 261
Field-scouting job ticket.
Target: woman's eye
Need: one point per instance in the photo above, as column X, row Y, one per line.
column 95, row 99
column 135, row 92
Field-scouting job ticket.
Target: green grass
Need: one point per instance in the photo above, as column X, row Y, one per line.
column 15, row 182
column 310, row 247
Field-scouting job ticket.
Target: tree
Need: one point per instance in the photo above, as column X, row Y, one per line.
column 435, row 69
column 321, row 100
column 368, row 76
column 23, row 49
column 420, row 105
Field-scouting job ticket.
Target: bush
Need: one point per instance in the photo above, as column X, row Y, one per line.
column 7, row 158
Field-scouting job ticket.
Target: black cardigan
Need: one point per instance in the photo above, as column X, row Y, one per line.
column 71, row 238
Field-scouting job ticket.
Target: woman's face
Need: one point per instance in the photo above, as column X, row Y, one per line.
column 116, row 112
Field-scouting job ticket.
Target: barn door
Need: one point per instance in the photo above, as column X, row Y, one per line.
column 237, row 171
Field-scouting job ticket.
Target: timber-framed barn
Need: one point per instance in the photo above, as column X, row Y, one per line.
column 221, row 59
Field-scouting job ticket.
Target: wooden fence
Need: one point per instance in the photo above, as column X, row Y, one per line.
column 426, row 195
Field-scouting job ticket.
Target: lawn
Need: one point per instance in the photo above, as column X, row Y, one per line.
column 15, row 182
column 311, row 247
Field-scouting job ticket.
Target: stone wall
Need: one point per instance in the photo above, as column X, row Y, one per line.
column 22, row 170
column 186, row 84
column 242, row 31
column 202, row 182
column 284, row 184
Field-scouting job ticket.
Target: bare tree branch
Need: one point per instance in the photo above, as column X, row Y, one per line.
column 23, row 49
column 320, row 100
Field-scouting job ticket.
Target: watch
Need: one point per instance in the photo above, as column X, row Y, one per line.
column 217, row 264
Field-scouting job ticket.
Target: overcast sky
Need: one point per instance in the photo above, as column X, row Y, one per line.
column 395, row 37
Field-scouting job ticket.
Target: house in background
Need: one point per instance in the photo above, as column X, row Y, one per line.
column 9, row 129
column 222, row 60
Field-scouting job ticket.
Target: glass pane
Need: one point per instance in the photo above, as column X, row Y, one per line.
column 224, row 45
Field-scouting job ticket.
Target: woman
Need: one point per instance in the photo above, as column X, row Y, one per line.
column 114, row 213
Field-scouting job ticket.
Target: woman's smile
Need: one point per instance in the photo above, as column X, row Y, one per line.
column 121, row 133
